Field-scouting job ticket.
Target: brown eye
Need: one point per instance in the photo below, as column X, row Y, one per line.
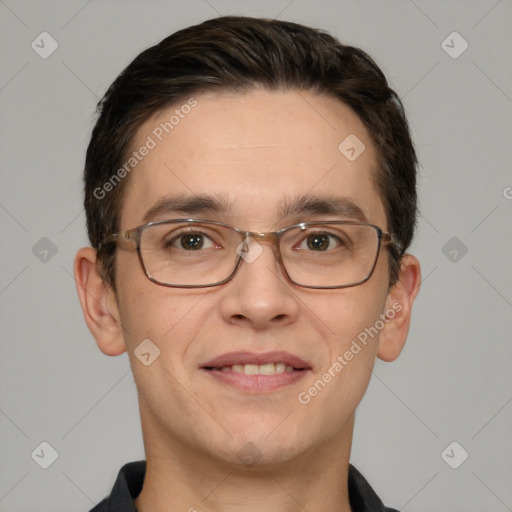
column 191, row 241
column 321, row 242
column 318, row 242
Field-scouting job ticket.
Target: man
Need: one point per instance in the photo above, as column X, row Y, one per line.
column 250, row 193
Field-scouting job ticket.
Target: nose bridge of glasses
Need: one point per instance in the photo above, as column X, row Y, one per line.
column 254, row 238
column 271, row 237
column 262, row 237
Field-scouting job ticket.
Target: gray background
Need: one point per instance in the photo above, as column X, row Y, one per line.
column 453, row 380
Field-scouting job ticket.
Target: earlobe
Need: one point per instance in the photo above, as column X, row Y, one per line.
column 399, row 309
column 100, row 311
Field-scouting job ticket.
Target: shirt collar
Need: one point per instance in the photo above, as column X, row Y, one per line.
column 131, row 478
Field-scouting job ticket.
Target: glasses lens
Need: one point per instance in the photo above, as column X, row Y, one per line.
column 189, row 254
column 330, row 255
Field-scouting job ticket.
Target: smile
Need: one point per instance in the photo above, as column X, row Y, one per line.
column 257, row 373
column 261, row 369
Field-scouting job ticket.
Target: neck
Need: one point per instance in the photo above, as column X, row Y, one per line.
column 178, row 478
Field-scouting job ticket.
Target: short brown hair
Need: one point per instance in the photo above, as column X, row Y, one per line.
column 239, row 53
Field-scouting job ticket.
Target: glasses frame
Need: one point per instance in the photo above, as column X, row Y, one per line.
column 134, row 234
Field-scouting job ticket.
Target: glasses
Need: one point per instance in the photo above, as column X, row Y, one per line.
column 191, row 253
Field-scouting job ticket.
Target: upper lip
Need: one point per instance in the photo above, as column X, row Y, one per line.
column 244, row 357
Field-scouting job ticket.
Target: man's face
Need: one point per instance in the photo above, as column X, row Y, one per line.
column 256, row 150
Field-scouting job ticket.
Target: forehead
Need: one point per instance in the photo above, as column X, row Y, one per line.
column 256, row 150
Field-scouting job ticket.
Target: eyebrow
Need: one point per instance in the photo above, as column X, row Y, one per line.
column 336, row 206
column 189, row 205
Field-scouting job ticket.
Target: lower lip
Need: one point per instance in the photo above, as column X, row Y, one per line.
column 257, row 383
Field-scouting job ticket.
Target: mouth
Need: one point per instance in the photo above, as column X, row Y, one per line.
column 257, row 369
column 257, row 373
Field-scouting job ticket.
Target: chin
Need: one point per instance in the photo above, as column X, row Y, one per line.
column 258, row 453
column 258, row 443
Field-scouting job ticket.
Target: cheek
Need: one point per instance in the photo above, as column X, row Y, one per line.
column 347, row 313
column 172, row 319
column 147, row 310
column 169, row 319
column 158, row 329
column 352, row 320
column 338, row 387
column 353, row 350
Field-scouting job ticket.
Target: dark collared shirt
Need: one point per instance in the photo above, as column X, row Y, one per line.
column 131, row 477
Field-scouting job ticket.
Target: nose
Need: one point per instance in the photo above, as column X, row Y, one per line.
column 259, row 295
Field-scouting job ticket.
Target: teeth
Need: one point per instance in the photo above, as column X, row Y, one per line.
column 262, row 369
column 251, row 369
column 266, row 369
column 281, row 367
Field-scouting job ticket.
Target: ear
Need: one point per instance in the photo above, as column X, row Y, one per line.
column 99, row 303
column 399, row 308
